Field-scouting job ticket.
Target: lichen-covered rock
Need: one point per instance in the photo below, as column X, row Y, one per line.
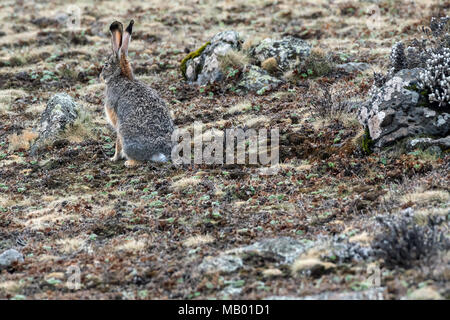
column 396, row 111
column 283, row 250
column 223, row 264
column 9, row 257
column 352, row 67
column 257, row 80
column 370, row 294
column 427, row 143
column 286, row 51
column 204, row 67
column 61, row 111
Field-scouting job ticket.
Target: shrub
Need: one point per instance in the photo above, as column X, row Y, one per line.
column 406, row 244
column 436, row 77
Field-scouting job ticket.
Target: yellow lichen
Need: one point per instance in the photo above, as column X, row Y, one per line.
column 190, row 56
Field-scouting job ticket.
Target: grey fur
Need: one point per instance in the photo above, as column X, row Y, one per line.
column 143, row 119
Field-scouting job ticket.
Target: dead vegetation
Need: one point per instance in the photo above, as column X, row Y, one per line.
column 141, row 233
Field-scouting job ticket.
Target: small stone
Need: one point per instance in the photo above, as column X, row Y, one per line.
column 352, row 67
column 230, row 292
column 258, row 80
column 371, row 294
column 283, row 250
column 431, row 145
column 222, row 263
column 8, row 257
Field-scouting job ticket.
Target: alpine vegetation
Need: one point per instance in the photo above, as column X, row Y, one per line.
column 435, row 78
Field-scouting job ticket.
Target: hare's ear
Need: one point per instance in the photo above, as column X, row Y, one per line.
column 116, row 30
column 127, row 38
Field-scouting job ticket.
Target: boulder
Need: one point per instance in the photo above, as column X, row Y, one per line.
column 61, row 111
column 396, row 111
column 257, row 80
column 426, row 143
column 203, row 66
column 286, row 51
column 9, row 257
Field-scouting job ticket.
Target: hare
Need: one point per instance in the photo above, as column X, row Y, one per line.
column 139, row 116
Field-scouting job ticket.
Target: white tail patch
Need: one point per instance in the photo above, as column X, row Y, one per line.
column 158, row 157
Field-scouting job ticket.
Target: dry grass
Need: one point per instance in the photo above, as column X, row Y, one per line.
column 270, row 65
column 21, row 142
column 10, row 287
column 304, row 264
column 70, row 245
column 269, row 273
column 44, row 218
column 240, row 107
column 251, row 121
column 425, row 197
column 131, row 246
column 185, row 183
column 197, row 241
column 7, row 97
column 233, row 59
column 81, row 129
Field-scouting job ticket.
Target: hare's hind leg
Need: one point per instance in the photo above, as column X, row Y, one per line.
column 131, row 163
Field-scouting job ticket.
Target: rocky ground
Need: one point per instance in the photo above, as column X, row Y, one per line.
column 336, row 221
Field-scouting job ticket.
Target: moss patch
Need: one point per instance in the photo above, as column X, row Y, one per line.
column 190, row 56
column 367, row 142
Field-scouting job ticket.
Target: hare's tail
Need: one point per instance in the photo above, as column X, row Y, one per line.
column 157, row 151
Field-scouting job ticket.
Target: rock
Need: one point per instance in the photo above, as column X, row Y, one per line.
column 286, row 51
column 371, row 294
column 230, row 292
column 350, row 251
column 352, row 67
column 61, row 111
column 283, row 250
column 205, row 67
column 8, row 257
column 425, row 293
column 223, row 263
column 311, row 266
column 394, row 112
column 427, row 143
column 257, row 80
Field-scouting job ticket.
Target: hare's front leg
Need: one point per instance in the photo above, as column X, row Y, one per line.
column 118, row 154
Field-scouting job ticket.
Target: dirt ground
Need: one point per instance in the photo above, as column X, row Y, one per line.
column 141, row 233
